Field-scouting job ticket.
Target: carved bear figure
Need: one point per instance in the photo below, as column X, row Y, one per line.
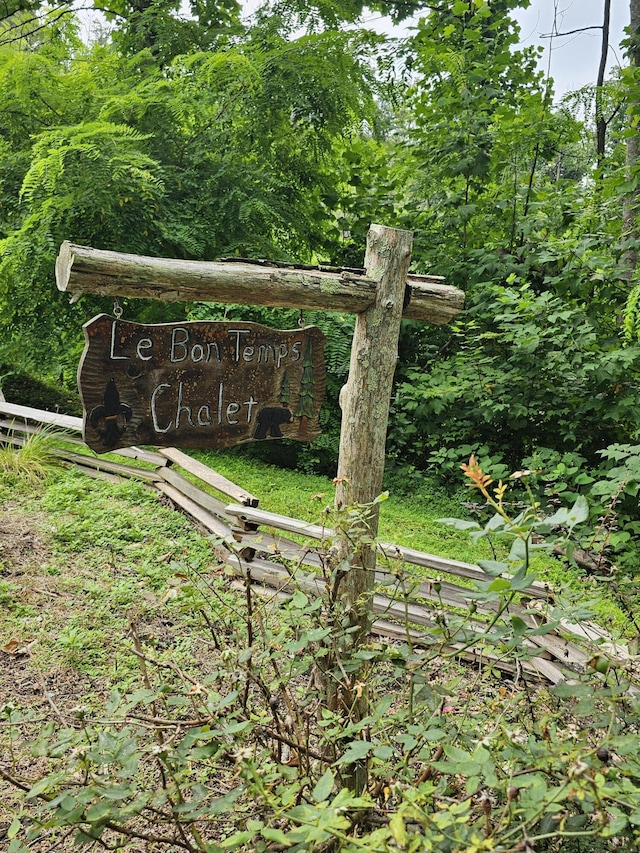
column 269, row 420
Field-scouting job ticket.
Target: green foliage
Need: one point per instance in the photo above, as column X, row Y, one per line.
column 533, row 371
column 483, row 123
column 27, row 390
column 243, row 753
column 219, row 153
column 285, row 138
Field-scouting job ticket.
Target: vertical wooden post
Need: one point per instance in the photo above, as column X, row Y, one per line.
column 365, row 410
column 365, row 402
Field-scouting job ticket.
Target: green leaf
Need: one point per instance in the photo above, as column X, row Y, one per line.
column 14, row 827
column 495, row 523
column 299, row 600
column 519, row 626
column 117, row 792
column 521, row 580
column 237, row 839
column 580, row 510
column 499, row 585
column 276, row 835
column 383, row 753
column 43, row 785
column 578, row 513
column 383, row 706
column 518, row 550
column 493, row 568
column 356, row 751
column 98, row 811
column 473, row 783
column 398, row 830
column 323, row 787
column 456, row 754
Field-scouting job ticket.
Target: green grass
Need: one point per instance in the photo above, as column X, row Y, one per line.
column 408, row 520
column 33, row 462
column 119, row 538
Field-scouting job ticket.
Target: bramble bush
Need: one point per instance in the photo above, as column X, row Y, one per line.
column 246, row 754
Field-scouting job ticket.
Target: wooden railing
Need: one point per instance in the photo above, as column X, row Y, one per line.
column 255, row 544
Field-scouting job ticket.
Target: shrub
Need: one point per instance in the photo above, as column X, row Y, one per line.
column 249, row 755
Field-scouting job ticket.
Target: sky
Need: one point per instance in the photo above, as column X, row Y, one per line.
column 574, row 58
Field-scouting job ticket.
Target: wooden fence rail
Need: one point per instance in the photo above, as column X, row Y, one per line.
column 250, row 540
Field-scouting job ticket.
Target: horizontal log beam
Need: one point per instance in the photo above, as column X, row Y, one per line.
column 81, row 270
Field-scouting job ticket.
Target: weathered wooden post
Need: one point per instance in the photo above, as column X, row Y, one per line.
column 365, row 402
column 380, row 295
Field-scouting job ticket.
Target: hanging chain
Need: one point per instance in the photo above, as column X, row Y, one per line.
column 117, row 309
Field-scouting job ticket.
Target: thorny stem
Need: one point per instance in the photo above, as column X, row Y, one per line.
column 249, row 624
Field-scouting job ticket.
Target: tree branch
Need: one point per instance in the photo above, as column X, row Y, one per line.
column 569, row 32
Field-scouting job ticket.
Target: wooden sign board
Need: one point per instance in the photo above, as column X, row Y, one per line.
column 202, row 384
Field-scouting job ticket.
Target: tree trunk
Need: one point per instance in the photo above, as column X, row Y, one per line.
column 366, row 396
column 365, row 409
column 601, row 122
column 631, row 205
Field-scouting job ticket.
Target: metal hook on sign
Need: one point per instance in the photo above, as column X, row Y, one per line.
column 300, row 320
column 117, row 309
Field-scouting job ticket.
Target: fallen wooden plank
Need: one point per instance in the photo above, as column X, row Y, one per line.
column 533, row 667
column 189, row 490
column 210, row 522
column 280, row 578
column 449, row 595
column 398, row 552
column 539, row 669
column 551, row 644
column 276, row 547
column 251, row 515
column 559, row 646
column 144, row 455
column 52, row 418
column 599, row 638
column 453, row 567
column 128, row 471
column 97, row 474
column 209, row 476
column 19, row 425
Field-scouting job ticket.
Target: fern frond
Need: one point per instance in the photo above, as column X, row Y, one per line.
column 632, row 315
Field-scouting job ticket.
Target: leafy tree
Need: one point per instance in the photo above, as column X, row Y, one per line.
column 219, row 153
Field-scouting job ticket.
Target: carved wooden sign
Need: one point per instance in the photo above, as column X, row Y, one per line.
column 202, row 384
